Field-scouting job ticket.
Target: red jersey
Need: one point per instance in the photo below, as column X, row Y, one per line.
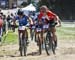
column 50, row 15
column 40, row 15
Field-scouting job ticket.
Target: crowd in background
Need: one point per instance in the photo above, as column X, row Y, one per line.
column 8, row 21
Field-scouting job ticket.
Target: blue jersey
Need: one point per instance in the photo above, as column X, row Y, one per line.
column 22, row 21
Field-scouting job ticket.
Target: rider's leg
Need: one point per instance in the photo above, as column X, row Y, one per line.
column 41, row 37
column 25, row 35
column 54, row 37
column 35, row 36
column 30, row 32
column 20, row 47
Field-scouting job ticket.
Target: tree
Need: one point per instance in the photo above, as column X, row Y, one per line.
column 24, row 4
column 43, row 2
column 29, row 1
column 63, row 8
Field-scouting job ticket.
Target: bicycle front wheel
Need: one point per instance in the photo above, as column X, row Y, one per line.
column 48, row 43
column 25, row 46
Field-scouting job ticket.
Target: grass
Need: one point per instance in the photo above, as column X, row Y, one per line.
column 66, row 33
column 63, row 33
column 10, row 38
column 68, row 28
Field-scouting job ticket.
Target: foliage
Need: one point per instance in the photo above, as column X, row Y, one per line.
column 63, row 8
column 43, row 2
column 29, row 1
column 24, row 4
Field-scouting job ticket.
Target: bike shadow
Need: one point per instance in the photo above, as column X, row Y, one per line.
column 18, row 55
column 33, row 54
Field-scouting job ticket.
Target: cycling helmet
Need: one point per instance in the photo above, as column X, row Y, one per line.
column 43, row 7
column 20, row 12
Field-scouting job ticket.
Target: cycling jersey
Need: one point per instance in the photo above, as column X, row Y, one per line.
column 40, row 15
column 51, row 18
column 22, row 21
column 50, row 15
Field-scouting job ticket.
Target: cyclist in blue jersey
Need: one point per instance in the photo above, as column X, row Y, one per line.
column 23, row 22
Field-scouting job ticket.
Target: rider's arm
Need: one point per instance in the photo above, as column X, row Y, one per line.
column 55, row 17
column 51, row 16
column 58, row 21
column 30, row 20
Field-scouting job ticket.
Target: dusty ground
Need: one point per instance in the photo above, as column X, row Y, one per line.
column 64, row 51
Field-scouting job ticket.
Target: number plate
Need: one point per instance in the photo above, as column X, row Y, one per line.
column 46, row 26
column 33, row 27
column 38, row 29
column 21, row 28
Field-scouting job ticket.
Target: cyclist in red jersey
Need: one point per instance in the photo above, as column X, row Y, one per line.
column 51, row 18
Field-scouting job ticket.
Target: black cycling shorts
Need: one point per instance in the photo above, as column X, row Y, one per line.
column 52, row 23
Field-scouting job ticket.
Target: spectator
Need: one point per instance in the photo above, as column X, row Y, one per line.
column 8, row 21
column 1, row 24
column 4, row 25
column 12, row 25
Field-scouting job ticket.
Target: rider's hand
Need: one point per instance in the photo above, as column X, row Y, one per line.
column 46, row 17
column 58, row 25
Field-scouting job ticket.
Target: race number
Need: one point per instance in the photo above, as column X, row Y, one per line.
column 46, row 26
column 38, row 29
column 33, row 27
column 21, row 28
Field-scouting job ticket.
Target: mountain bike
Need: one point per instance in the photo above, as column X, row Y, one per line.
column 23, row 40
column 49, row 43
column 38, row 40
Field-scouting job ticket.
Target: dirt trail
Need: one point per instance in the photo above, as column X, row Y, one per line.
column 64, row 51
